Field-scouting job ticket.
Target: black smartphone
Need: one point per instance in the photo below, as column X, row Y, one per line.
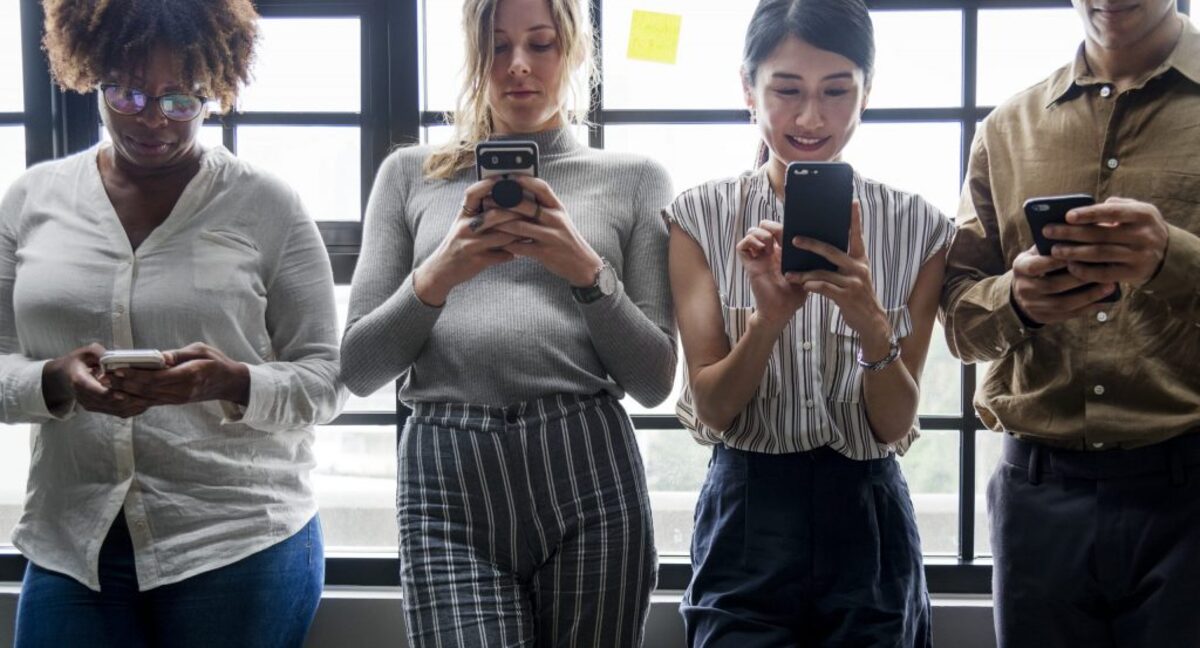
column 505, row 159
column 1052, row 210
column 816, row 205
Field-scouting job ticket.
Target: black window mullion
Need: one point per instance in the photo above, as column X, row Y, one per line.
column 39, row 127
column 375, row 139
column 966, row 468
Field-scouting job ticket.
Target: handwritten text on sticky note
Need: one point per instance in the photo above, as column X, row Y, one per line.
column 654, row 37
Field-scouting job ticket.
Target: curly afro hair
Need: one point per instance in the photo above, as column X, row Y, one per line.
column 87, row 39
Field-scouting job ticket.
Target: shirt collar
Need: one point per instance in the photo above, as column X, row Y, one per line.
column 1185, row 59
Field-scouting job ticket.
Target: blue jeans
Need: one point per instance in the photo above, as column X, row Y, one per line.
column 266, row 600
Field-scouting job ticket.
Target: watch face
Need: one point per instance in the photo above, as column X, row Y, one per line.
column 606, row 281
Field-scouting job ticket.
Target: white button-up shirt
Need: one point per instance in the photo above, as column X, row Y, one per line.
column 237, row 265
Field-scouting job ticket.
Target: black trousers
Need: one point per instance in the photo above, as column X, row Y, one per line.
column 1097, row 549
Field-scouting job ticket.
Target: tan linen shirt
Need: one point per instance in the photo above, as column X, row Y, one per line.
column 1129, row 375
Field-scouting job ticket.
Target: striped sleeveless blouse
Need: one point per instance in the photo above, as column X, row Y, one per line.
column 810, row 394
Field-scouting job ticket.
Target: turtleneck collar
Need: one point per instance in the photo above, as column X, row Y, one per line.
column 556, row 141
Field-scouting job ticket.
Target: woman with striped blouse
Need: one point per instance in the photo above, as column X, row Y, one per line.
column 805, row 384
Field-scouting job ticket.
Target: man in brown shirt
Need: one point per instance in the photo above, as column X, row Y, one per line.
column 1096, row 505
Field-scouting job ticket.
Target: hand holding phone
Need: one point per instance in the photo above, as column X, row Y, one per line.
column 1052, row 210
column 504, row 159
column 133, row 359
column 816, row 205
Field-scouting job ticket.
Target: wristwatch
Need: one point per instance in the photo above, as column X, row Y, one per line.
column 892, row 356
column 604, row 285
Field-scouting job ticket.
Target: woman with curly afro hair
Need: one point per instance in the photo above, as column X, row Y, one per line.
column 169, row 500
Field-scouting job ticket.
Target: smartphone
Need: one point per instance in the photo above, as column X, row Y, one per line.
column 505, row 159
column 132, row 358
column 1052, row 210
column 816, row 205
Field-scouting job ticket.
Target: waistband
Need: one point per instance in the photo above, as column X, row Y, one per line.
column 824, row 458
column 542, row 409
column 1168, row 457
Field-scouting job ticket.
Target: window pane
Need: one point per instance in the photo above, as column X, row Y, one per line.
column 692, row 154
column 917, row 72
column 1020, row 47
column 383, row 400
column 931, row 468
column 14, row 471
column 675, row 470
column 307, row 65
column 988, row 445
column 12, row 91
column 917, row 157
column 941, row 381
column 706, row 73
column 326, row 176
column 355, row 483
column 441, row 53
column 12, row 155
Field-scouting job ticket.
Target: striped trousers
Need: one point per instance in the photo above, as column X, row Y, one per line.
column 526, row 525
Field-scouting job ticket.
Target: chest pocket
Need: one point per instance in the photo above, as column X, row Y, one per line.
column 737, row 320
column 223, row 261
column 1177, row 196
column 842, row 375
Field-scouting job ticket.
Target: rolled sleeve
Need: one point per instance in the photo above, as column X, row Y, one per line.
column 1176, row 282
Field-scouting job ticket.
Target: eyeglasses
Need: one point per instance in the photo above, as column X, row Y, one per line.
column 175, row 106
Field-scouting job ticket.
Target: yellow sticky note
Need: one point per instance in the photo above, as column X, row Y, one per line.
column 654, row 37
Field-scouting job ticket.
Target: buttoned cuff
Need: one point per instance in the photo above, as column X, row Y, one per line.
column 23, row 390
column 1176, row 279
column 1003, row 322
column 258, row 407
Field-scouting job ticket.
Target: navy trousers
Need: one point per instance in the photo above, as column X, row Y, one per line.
column 805, row 549
column 1097, row 549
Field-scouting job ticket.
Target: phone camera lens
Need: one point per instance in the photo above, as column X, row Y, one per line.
column 495, row 159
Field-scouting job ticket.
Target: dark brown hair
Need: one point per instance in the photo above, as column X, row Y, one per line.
column 214, row 39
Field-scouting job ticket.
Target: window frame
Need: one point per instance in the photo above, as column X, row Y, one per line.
column 58, row 124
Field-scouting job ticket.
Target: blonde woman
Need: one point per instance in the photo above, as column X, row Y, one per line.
column 522, row 504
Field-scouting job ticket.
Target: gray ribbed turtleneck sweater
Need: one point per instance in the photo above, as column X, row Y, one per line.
column 513, row 333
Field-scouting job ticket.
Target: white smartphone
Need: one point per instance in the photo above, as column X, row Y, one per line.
column 133, row 358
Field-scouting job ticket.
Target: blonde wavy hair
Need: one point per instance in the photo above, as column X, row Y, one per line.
column 472, row 119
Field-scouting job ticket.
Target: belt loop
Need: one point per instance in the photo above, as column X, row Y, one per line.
column 1175, row 466
column 1035, row 464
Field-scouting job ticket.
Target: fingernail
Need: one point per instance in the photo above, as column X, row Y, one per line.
column 118, row 396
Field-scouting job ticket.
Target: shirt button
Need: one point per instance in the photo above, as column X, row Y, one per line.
column 1098, row 390
column 809, row 404
column 1102, row 317
column 1106, row 91
column 807, row 346
column 511, row 418
column 1112, row 163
